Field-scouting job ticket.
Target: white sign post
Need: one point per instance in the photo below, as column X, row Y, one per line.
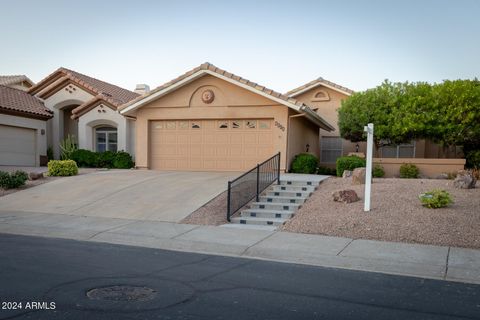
column 368, row 174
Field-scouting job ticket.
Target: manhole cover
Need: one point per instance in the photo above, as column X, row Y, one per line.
column 122, row 293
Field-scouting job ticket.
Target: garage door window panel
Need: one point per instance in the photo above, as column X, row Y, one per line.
column 237, row 124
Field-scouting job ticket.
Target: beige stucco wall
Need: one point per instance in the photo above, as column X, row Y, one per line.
column 430, row 168
column 328, row 110
column 231, row 102
column 301, row 132
column 93, row 119
column 37, row 125
column 60, row 99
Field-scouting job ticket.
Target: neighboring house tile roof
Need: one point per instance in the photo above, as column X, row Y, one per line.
column 18, row 102
column 318, row 82
column 13, row 79
column 300, row 106
column 104, row 91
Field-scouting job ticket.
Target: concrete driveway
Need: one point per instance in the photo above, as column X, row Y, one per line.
column 126, row 194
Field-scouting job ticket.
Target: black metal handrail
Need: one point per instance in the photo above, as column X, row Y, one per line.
column 252, row 183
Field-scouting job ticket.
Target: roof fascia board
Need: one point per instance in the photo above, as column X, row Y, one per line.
column 316, row 85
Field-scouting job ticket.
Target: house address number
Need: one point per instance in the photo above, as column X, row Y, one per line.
column 279, row 126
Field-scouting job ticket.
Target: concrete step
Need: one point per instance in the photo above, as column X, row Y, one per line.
column 293, row 188
column 290, row 194
column 280, row 199
column 249, row 226
column 267, row 213
column 299, row 183
column 259, row 221
column 275, row 206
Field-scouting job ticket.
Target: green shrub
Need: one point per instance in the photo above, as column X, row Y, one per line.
column 85, row 158
column 473, row 159
column 326, row 171
column 122, row 160
column 50, row 153
column 67, row 146
column 409, row 171
column 378, row 171
column 435, row 199
column 304, row 163
column 62, row 168
column 105, row 159
column 349, row 163
column 12, row 180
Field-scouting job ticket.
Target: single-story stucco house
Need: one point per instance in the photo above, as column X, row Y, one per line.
column 23, row 128
column 85, row 108
column 211, row 120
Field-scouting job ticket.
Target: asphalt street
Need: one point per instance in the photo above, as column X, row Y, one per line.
column 44, row 278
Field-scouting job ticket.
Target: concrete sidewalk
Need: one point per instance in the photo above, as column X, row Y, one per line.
column 447, row 263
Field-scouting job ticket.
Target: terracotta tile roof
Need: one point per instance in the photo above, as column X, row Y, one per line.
column 319, row 81
column 18, row 101
column 211, row 67
column 288, row 101
column 113, row 93
column 9, row 80
column 95, row 101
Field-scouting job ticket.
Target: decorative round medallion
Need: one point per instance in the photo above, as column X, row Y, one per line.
column 208, row 96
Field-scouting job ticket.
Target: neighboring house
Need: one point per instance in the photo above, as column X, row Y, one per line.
column 86, row 108
column 211, row 120
column 326, row 98
column 23, row 125
column 18, row 82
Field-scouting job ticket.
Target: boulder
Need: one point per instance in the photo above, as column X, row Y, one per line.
column 464, row 180
column 358, row 176
column 346, row 174
column 35, row 175
column 345, row 196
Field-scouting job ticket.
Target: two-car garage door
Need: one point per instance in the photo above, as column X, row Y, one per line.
column 17, row 146
column 210, row 145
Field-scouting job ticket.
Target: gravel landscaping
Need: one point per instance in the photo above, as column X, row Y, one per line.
column 213, row 213
column 396, row 214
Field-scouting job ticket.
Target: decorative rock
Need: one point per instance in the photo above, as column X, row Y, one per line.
column 346, row 174
column 358, row 176
column 35, row 175
column 345, row 196
column 465, row 180
column 442, row 176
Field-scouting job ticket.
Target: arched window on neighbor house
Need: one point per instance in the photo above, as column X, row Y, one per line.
column 105, row 139
column 321, row 95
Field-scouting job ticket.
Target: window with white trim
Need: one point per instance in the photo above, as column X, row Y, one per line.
column 403, row 150
column 330, row 149
column 105, row 139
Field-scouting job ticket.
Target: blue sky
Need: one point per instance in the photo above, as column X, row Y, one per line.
column 279, row 44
